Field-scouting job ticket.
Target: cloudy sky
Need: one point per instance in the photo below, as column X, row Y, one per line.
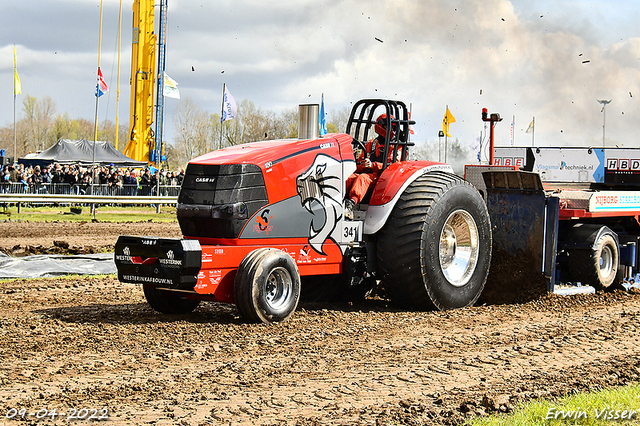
column 548, row 59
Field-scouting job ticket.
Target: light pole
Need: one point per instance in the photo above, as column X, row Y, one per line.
column 604, row 116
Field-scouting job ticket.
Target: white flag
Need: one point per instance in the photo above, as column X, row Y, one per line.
column 229, row 109
column 170, row 89
column 477, row 146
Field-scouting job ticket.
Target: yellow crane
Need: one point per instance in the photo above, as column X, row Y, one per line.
column 144, row 73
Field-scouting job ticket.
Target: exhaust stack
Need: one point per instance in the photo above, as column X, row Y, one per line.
column 308, row 124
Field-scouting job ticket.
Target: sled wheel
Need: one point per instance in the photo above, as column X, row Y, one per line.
column 435, row 249
column 267, row 286
column 599, row 265
column 169, row 302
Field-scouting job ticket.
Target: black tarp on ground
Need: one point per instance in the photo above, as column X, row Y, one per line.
column 67, row 151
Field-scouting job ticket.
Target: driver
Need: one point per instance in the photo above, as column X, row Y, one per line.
column 369, row 166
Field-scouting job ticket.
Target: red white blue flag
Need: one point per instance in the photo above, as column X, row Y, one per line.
column 101, row 88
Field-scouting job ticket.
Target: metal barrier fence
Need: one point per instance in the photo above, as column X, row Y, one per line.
column 87, row 189
column 60, row 194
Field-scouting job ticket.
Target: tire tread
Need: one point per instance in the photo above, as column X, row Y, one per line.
column 401, row 242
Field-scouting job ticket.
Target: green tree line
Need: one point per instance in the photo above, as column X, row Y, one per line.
column 196, row 131
column 40, row 126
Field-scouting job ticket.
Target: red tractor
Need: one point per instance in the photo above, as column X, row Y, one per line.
column 265, row 222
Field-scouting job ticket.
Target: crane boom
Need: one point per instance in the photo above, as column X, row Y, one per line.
column 143, row 77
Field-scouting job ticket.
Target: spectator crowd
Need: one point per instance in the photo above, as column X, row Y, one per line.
column 93, row 180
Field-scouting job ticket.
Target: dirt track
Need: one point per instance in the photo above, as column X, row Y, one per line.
column 94, row 343
column 24, row 238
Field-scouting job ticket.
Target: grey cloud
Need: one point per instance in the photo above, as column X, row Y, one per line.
column 435, row 53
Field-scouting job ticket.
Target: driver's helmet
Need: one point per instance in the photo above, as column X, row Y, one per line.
column 381, row 126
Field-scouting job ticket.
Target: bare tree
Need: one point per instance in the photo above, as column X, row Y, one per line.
column 456, row 154
column 250, row 125
column 66, row 128
column 22, row 138
column 254, row 124
column 40, row 128
column 29, row 109
column 289, row 123
column 193, row 136
column 107, row 131
column 39, row 115
column 6, row 138
column 338, row 120
column 232, row 131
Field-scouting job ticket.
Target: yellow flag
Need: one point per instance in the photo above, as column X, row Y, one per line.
column 17, row 87
column 532, row 125
column 448, row 119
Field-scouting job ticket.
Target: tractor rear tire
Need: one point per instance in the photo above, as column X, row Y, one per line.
column 435, row 249
column 169, row 302
column 598, row 266
column 267, row 286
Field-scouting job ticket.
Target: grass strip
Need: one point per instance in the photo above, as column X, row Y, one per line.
column 620, row 406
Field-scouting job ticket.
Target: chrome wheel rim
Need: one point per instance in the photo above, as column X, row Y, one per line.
column 606, row 261
column 459, row 248
column 278, row 289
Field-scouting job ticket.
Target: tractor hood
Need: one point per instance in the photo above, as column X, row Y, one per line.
column 266, row 153
column 223, row 190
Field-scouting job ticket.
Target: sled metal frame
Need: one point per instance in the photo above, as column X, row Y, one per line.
column 524, row 219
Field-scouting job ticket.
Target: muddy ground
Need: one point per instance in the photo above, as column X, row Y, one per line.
column 58, row 237
column 93, row 343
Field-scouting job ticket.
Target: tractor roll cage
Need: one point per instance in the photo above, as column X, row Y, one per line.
column 363, row 118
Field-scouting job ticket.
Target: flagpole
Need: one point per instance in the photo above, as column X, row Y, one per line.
column 15, row 94
column 446, row 134
column 118, row 78
column 162, row 49
column 513, row 131
column 95, row 134
column 321, row 116
column 224, row 86
column 95, row 125
column 15, row 157
column 533, row 132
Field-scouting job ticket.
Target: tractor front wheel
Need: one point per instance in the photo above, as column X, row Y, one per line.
column 267, row 286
